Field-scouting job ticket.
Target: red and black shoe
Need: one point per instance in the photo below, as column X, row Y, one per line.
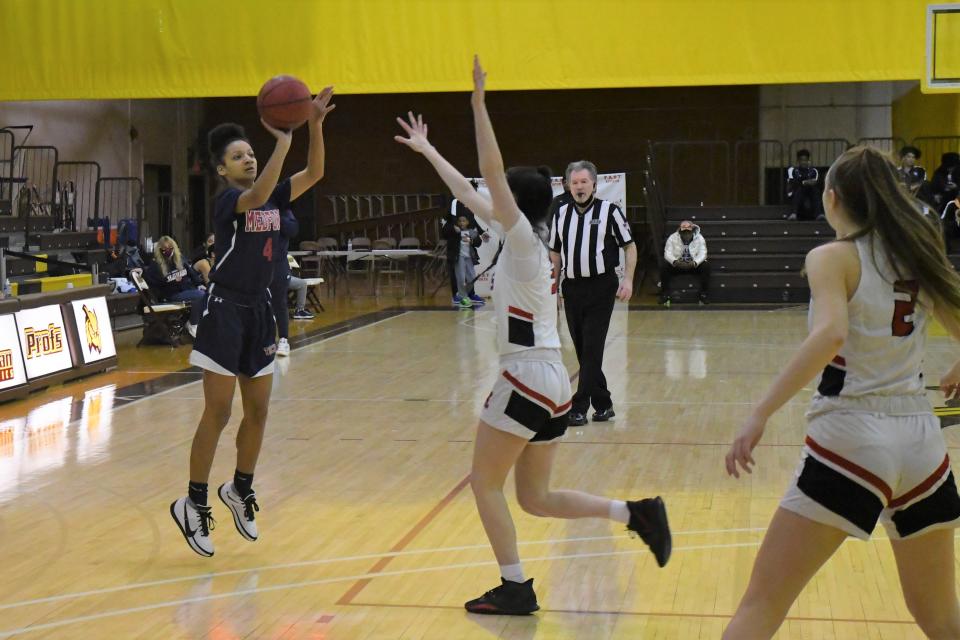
column 509, row 599
column 648, row 519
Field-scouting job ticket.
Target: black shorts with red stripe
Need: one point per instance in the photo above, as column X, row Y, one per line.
column 531, row 400
column 859, row 468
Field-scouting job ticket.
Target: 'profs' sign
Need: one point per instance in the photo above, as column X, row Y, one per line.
column 43, row 341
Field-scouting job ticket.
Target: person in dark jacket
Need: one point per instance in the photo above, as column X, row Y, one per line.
column 466, row 237
column 450, row 229
column 283, row 282
column 172, row 279
column 944, row 185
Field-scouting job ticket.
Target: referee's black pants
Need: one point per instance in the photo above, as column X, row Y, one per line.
column 588, row 304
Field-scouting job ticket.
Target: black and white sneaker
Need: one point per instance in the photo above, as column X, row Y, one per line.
column 303, row 314
column 648, row 519
column 509, row 599
column 195, row 524
column 242, row 509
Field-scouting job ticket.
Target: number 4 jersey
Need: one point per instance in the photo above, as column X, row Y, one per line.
column 879, row 366
column 245, row 241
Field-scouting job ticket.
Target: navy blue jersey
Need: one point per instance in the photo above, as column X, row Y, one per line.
column 246, row 242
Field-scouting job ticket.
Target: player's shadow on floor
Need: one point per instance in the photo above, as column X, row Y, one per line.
column 514, row 627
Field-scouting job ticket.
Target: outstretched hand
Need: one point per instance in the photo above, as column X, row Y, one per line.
column 416, row 131
column 479, row 80
column 321, row 104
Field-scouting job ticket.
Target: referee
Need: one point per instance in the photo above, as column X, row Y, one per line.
column 586, row 234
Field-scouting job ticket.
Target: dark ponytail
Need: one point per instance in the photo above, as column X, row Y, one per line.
column 532, row 189
column 866, row 183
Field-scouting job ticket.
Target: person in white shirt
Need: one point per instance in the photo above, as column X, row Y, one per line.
column 526, row 413
column 874, row 451
column 685, row 252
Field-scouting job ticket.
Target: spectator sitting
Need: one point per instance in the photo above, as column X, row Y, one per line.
column 204, row 259
column 466, row 236
column 945, row 178
column 802, row 189
column 685, row 252
column 911, row 175
column 173, row 280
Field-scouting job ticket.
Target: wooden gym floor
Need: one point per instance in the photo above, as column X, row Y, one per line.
column 368, row 528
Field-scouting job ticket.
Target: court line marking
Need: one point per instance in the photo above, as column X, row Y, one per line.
column 361, row 577
column 421, row 524
column 323, row 561
column 651, row 614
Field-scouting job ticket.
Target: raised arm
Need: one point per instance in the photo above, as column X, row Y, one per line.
column 316, row 155
column 266, row 182
column 505, row 209
column 416, row 130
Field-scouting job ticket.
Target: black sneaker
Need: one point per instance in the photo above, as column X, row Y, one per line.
column 303, row 314
column 648, row 519
column 576, row 419
column 509, row 599
column 603, row 415
column 703, row 299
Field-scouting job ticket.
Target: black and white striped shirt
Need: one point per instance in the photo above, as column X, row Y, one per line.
column 589, row 242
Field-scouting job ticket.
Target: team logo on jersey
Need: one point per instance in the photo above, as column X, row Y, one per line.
column 43, row 342
column 259, row 221
column 6, row 365
column 92, row 326
column 271, row 350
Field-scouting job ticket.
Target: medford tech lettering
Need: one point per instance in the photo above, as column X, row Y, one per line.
column 176, row 276
column 42, row 342
column 259, row 221
column 6, row 365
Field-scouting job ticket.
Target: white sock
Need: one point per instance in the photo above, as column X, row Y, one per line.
column 512, row 572
column 619, row 511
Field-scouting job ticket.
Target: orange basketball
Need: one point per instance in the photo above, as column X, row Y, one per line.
column 284, row 102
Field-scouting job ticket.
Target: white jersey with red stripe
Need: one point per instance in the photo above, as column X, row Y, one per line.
column 524, row 294
column 879, row 366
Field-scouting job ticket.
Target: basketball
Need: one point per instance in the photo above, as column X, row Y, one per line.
column 284, row 102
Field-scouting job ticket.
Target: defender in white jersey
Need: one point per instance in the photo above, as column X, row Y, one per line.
column 873, row 450
column 531, row 395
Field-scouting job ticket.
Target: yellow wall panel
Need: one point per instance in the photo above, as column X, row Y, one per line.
column 59, row 49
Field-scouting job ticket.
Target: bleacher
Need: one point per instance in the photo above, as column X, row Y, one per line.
column 62, row 211
column 756, row 254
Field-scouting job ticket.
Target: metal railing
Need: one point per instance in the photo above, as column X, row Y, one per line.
column 34, row 179
column 78, row 182
column 656, row 208
column 888, row 144
column 758, row 173
column 119, row 199
column 352, row 207
column 933, row 147
column 7, row 142
column 704, row 177
column 159, row 211
column 823, row 151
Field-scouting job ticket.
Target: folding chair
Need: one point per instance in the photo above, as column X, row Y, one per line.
column 163, row 323
column 311, row 283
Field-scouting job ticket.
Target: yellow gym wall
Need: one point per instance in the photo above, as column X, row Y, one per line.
column 917, row 114
column 63, row 49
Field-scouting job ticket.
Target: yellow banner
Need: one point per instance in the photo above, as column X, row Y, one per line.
column 63, row 49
